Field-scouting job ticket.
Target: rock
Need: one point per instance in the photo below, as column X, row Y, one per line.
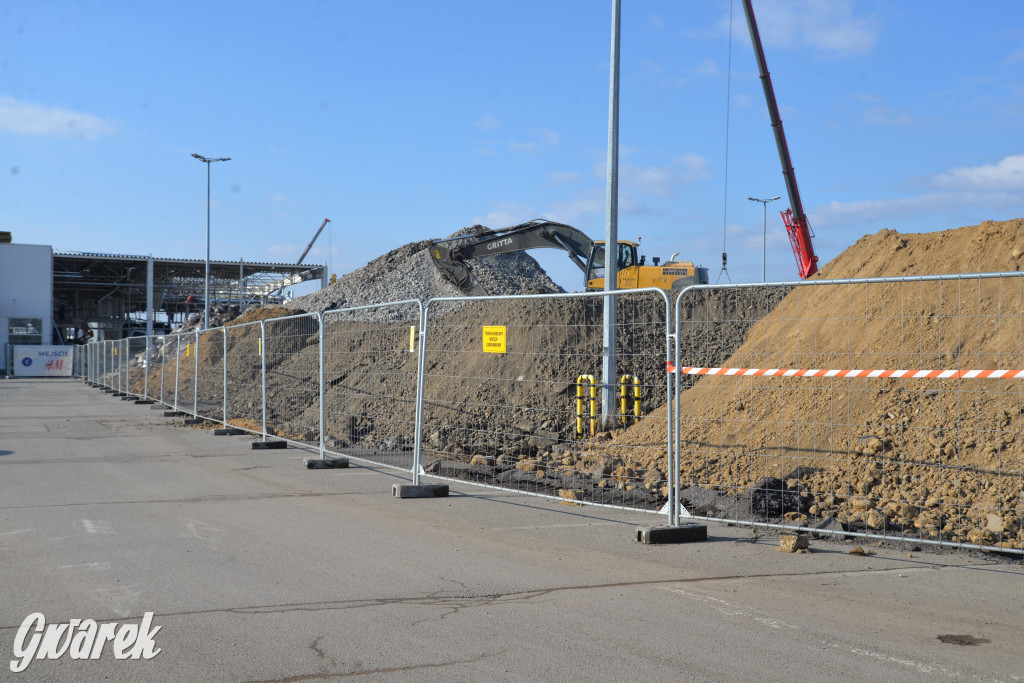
column 875, row 519
column 527, row 465
column 570, row 494
column 790, row 543
column 860, row 552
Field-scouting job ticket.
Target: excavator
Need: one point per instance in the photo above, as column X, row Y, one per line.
column 587, row 254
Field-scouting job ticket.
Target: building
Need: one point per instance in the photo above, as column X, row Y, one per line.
column 54, row 298
column 26, row 296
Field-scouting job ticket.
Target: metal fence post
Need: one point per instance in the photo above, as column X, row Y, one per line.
column 263, row 373
column 145, row 381
column 195, row 380
column 177, row 367
column 672, row 425
column 323, row 440
column 224, row 367
column 163, row 363
column 421, row 362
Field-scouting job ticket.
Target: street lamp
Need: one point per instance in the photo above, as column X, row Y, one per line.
column 764, row 239
column 206, row 296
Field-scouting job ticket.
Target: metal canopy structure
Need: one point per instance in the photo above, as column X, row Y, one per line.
column 113, row 293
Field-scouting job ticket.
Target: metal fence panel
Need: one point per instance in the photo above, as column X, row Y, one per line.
column 185, row 373
column 244, row 360
column 136, row 365
column 370, row 362
column 512, row 397
column 871, row 407
column 208, row 371
column 292, row 357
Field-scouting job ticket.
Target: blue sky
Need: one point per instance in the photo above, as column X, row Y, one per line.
column 408, row 120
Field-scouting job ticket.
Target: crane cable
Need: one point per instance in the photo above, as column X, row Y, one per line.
column 725, row 198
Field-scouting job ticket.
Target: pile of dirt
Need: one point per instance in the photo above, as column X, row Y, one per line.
column 408, row 273
column 940, row 459
column 991, row 247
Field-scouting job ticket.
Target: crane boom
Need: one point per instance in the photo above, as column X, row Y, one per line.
column 310, row 245
column 797, row 226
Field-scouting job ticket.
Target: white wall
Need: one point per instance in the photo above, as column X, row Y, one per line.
column 26, row 288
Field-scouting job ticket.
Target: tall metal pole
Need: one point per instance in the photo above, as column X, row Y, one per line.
column 206, row 288
column 611, row 244
column 206, row 278
column 764, row 234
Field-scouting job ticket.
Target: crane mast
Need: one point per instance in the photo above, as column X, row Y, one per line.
column 310, row 245
column 797, row 226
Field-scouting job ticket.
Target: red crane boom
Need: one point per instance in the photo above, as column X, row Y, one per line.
column 797, row 226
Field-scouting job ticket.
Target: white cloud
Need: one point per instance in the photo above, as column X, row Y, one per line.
column 708, row 67
column 563, row 178
column 829, row 26
column 525, row 147
column 656, row 23
column 24, row 118
column 691, row 167
column 548, row 137
column 659, row 181
column 506, row 214
column 1007, row 174
column 487, row 122
column 541, row 138
column 990, row 187
column 884, row 115
column 572, row 210
column 1016, row 56
column 285, row 250
column 277, row 198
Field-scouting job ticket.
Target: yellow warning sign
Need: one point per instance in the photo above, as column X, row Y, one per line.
column 494, row 338
column 412, row 338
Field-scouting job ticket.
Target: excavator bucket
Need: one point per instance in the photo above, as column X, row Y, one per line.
column 454, row 270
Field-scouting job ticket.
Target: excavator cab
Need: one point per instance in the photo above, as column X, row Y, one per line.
column 627, row 258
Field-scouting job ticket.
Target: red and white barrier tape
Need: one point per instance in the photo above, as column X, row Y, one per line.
column 906, row 374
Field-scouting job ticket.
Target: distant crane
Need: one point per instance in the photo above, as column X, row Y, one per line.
column 797, row 227
column 310, row 245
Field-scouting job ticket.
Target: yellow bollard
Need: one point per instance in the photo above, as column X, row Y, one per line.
column 579, row 404
column 624, row 397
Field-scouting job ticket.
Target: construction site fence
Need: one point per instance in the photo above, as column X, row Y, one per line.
column 888, row 408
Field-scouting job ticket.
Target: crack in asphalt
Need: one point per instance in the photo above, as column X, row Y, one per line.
column 456, row 603
column 370, row 672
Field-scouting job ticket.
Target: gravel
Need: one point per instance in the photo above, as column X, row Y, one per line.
column 408, row 273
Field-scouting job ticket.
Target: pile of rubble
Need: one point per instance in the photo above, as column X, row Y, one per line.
column 408, row 273
column 220, row 314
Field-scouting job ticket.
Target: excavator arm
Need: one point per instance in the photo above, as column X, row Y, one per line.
column 535, row 234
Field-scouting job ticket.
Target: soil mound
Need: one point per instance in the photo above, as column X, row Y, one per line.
column 993, row 246
column 935, row 458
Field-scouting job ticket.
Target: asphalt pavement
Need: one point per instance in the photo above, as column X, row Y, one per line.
column 257, row 569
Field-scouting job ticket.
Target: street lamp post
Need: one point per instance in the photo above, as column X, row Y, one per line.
column 764, row 238
column 206, row 295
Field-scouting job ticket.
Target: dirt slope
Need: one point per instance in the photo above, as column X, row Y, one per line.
column 940, row 458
